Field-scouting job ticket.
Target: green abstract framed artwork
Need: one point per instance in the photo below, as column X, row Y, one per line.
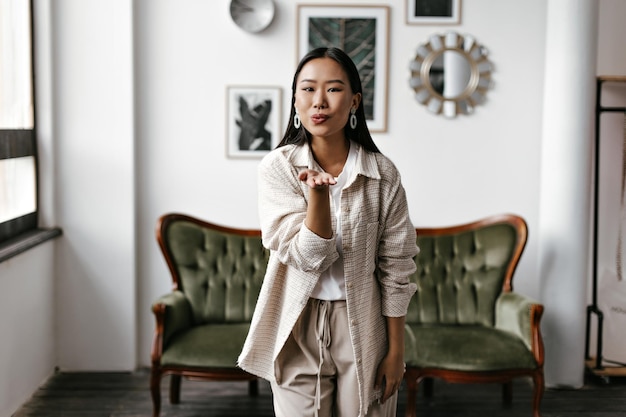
column 363, row 33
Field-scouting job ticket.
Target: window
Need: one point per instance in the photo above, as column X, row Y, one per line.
column 18, row 189
column 18, row 147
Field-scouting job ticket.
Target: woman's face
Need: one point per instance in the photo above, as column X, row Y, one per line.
column 323, row 98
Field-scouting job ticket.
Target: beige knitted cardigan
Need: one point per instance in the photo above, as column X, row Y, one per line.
column 379, row 244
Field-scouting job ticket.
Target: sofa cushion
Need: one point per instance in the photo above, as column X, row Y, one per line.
column 220, row 273
column 207, row 346
column 467, row 348
column 460, row 275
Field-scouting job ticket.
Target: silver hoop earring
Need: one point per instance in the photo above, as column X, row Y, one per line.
column 296, row 121
column 353, row 118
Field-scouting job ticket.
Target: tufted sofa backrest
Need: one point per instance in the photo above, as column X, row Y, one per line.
column 219, row 269
column 461, row 270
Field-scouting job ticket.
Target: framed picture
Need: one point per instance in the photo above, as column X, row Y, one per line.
column 433, row 12
column 253, row 120
column 363, row 33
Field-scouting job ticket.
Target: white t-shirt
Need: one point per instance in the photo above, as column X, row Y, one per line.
column 331, row 284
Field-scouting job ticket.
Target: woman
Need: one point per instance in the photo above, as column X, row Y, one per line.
column 328, row 328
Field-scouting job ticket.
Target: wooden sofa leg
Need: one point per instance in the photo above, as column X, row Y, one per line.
column 175, row 389
column 412, row 385
column 539, row 386
column 507, row 392
column 253, row 388
column 155, row 390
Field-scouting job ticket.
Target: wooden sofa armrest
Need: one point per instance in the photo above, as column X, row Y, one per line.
column 173, row 314
column 521, row 316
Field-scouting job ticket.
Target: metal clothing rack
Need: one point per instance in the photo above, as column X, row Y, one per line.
column 596, row 365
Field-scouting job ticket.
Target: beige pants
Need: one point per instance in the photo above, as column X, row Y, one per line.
column 316, row 373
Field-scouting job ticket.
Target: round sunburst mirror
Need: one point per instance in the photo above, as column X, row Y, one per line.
column 450, row 74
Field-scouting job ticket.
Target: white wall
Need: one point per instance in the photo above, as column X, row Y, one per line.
column 95, row 183
column 27, row 350
column 566, row 185
column 137, row 119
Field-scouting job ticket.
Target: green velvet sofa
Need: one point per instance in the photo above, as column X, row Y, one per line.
column 465, row 323
column 202, row 323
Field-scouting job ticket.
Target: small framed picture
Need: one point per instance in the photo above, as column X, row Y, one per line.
column 253, row 120
column 433, row 12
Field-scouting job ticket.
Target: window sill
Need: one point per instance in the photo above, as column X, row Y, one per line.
column 26, row 241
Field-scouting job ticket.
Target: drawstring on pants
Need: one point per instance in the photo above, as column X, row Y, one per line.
column 324, row 340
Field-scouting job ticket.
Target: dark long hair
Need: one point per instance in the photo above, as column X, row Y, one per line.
column 361, row 134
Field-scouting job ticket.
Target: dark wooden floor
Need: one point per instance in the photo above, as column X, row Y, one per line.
column 127, row 395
